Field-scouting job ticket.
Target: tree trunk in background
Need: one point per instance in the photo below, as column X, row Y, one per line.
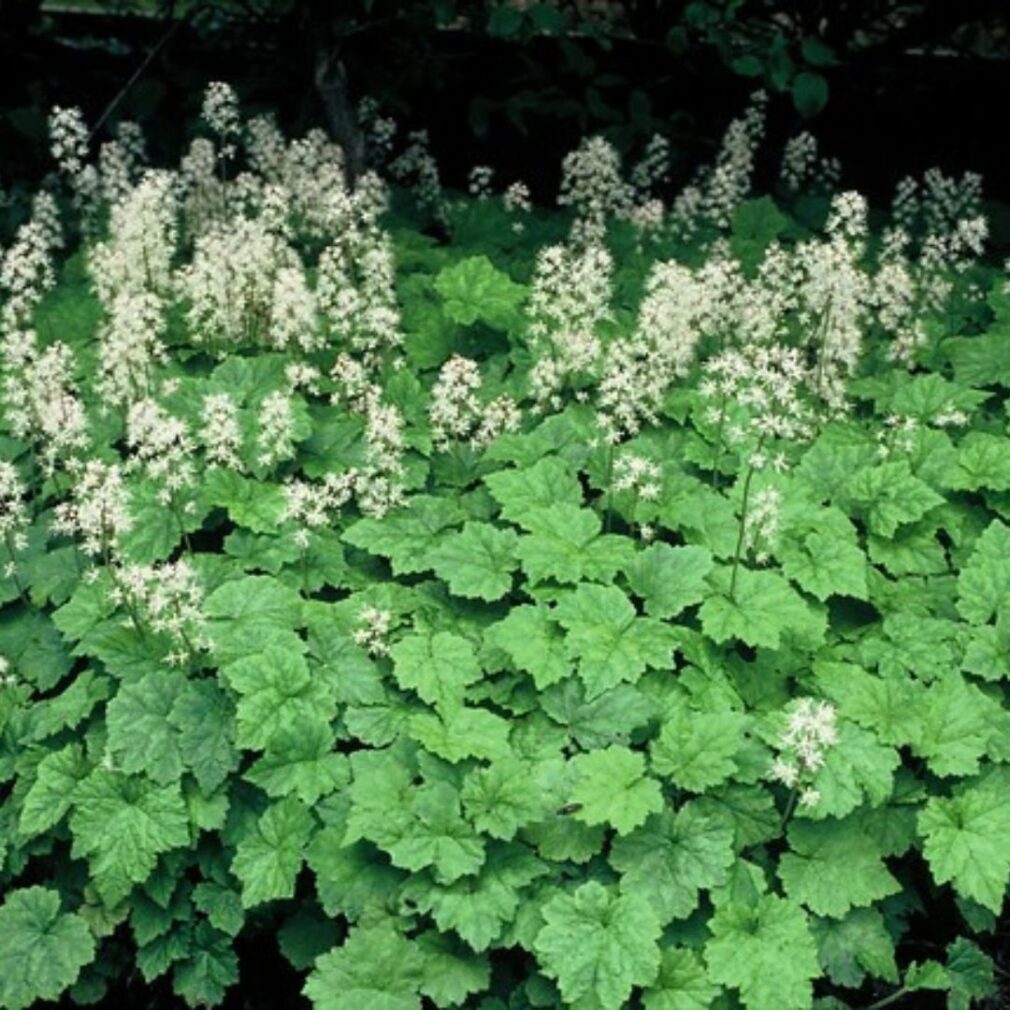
column 330, row 80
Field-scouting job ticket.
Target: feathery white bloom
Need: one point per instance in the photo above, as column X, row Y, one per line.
column 169, row 595
column 98, row 511
column 479, row 181
column 130, row 346
column 220, row 112
column 143, row 235
column 162, row 447
column 220, row 431
column 373, row 635
column 68, row 139
column 275, row 439
column 14, row 517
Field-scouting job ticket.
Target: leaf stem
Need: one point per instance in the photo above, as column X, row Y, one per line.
column 888, row 1000
column 609, row 500
column 743, row 519
column 18, row 585
column 717, row 453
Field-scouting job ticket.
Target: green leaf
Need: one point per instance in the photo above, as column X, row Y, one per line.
column 817, row 52
column 142, row 737
column 549, row 481
column 439, row 667
column 673, row 857
column 534, row 642
column 277, row 693
column 696, row 750
column 268, row 858
column 983, row 586
column 983, row 461
column 474, row 289
column 682, row 984
column 462, row 733
column 42, row 949
column 478, row 907
column 858, row 945
column 970, row 972
column 375, row 968
column 249, row 613
column 209, row 969
column 301, row 761
column 765, row 951
column 204, row 717
column 982, row 360
column 834, row 866
column 32, row 645
column 958, row 723
column 609, row 641
column 965, row 838
column 407, row 535
column 500, row 798
column 825, row 565
column 889, row 494
column 450, row 972
column 810, row 93
column 669, row 578
column 761, row 608
column 598, row 946
column 858, row 768
column 51, row 794
column 478, row 562
column 438, row 836
column 221, row 905
column 612, row 787
column 566, row 545
column 255, row 505
column 122, row 824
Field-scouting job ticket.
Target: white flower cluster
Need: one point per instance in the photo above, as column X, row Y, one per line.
column 811, row 730
column 768, row 382
column 373, row 635
column 479, row 181
column 417, row 164
column 518, row 201
column 120, row 162
column 357, row 296
column 14, row 517
column 592, row 183
column 834, row 296
column 639, row 369
column 276, row 436
column 41, row 401
column 142, row 240
column 309, row 505
column 170, row 596
column 803, row 168
column 456, row 412
column 653, row 168
column 637, row 474
column 98, row 510
column 762, row 522
column 220, row 430
column 570, row 297
column 221, row 113
column 130, row 346
column 721, row 187
column 162, row 447
column 379, row 131
column 68, row 139
column 238, row 271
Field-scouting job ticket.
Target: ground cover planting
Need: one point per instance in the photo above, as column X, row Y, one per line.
column 498, row 606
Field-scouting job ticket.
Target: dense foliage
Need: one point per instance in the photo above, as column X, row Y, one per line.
column 503, row 607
